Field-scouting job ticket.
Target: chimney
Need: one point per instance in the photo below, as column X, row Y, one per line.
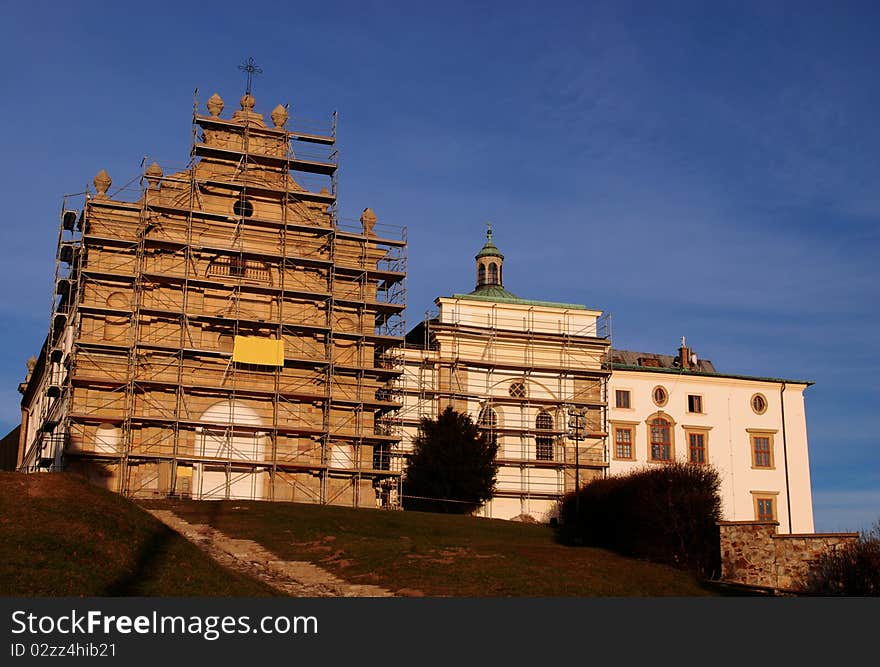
column 684, row 355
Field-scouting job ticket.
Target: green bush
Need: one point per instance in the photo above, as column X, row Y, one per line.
column 852, row 569
column 667, row 514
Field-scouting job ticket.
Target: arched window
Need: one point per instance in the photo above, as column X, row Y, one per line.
column 488, row 423
column 544, row 442
column 661, row 439
column 493, row 274
column 481, row 275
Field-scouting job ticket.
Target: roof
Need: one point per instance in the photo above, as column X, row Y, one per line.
column 627, row 360
column 652, row 360
column 416, row 337
column 501, row 295
column 489, row 249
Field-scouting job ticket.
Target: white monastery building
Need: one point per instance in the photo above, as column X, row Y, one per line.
column 543, row 380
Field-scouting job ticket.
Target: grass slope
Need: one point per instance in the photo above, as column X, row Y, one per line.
column 436, row 555
column 60, row 536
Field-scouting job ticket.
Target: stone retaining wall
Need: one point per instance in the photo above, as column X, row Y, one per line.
column 752, row 553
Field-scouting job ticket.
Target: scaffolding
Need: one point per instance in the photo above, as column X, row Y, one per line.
column 520, row 382
column 161, row 286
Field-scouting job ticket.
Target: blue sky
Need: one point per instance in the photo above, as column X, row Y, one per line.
column 698, row 169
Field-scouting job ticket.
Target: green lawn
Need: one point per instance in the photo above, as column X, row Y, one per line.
column 60, row 536
column 436, row 555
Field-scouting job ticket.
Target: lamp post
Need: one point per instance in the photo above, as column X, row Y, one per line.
column 576, row 423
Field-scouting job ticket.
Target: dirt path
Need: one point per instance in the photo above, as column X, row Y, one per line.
column 295, row 578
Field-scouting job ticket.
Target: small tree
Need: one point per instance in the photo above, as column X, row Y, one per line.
column 452, row 468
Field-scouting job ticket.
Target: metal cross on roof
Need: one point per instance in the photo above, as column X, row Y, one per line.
column 251, row 68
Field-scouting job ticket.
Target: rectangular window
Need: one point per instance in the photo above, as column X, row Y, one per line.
column 765, row 505
column 622, row 398
column 762, row 451
column 697, row 447
column 765, row 509
column 695, row 403
column 623, row 443
column 544, row 448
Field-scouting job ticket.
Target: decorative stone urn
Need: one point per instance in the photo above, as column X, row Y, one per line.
column 154, row 174
column 102, row 183
column 279, row 116
column 215, row 105
column 368, row 220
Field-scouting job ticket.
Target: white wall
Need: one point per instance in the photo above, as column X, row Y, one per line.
column 727, row 414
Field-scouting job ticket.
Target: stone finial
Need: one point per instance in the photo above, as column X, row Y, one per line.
column 154, row 174
column 247, row 102
column 215, row 105
column 102, row 182
column 279, row 116
column 368, row 220
column 31, row 364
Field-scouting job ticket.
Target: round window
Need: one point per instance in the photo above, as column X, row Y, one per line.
column 517, row 389
column 759, row 404
column 660, row 396
column 243, row 208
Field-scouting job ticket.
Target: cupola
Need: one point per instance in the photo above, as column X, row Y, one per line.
column 490, row 264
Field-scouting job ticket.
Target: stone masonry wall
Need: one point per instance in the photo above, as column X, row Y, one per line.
column 753, row 553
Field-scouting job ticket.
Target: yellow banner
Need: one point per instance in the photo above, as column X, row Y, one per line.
column 257, row 350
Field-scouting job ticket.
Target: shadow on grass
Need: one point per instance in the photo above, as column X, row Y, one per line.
column 146, row 567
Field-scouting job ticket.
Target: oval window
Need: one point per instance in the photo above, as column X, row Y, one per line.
column 759, row 404
column 660, row 396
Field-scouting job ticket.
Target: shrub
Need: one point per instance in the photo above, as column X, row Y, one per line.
column 668, row 514
column 852, row 569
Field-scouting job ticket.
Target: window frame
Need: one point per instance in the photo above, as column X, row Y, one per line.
column 544, row 443
column 695, row 400
column 704, row 433
column 631, row 429
column 617, row 395
column 518, row 389
column 490, row 428
column 243, row 208
column 772, row 497
column 754, row 434
column 665, row 391
column 650, row 437
column 761, row 397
